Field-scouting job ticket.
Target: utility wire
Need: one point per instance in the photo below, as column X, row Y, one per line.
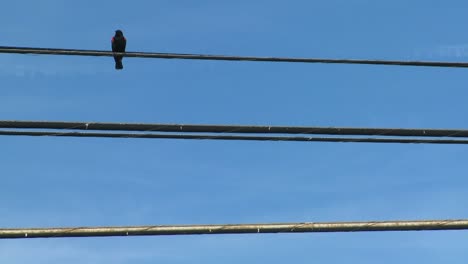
column 236, row 129
column 153, row 55
column 166, row 230
column 230, row 137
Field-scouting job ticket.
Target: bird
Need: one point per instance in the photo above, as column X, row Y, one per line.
column 119, row 42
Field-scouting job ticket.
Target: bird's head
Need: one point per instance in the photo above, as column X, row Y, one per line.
column 118, row 33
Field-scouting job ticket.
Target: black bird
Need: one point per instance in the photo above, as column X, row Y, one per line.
column 119, row 42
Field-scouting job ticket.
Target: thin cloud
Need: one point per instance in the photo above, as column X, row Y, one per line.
column 32, row 66
column 457, row 51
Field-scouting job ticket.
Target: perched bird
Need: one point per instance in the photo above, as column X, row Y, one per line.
column 118, row 45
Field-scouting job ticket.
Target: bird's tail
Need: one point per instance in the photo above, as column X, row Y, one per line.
column 118, row 64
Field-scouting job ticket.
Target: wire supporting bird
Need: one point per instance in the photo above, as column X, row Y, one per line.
column 119, row 42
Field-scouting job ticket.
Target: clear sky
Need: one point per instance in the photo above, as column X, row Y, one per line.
column 48, row 182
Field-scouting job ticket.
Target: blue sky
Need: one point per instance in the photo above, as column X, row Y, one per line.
column 93, row 182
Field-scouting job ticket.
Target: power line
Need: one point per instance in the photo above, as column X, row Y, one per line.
column 230, row 137
column 237, row 129
column 77, row 52
column 165, row 230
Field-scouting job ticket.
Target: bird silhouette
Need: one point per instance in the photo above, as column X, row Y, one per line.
column 119, row 42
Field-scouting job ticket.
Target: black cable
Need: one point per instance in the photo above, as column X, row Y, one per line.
column 77, row 52
column 231, row 137
column 239, row 129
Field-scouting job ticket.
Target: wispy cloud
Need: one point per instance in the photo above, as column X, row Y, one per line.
column 56, row 251
column 31, row 66
column 455, row 51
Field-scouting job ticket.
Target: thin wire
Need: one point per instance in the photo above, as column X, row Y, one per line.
column 231, row 137
column 273, row 228
column 153, row 55
column 238, row 129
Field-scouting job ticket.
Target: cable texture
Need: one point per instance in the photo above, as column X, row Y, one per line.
column 154, row 55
